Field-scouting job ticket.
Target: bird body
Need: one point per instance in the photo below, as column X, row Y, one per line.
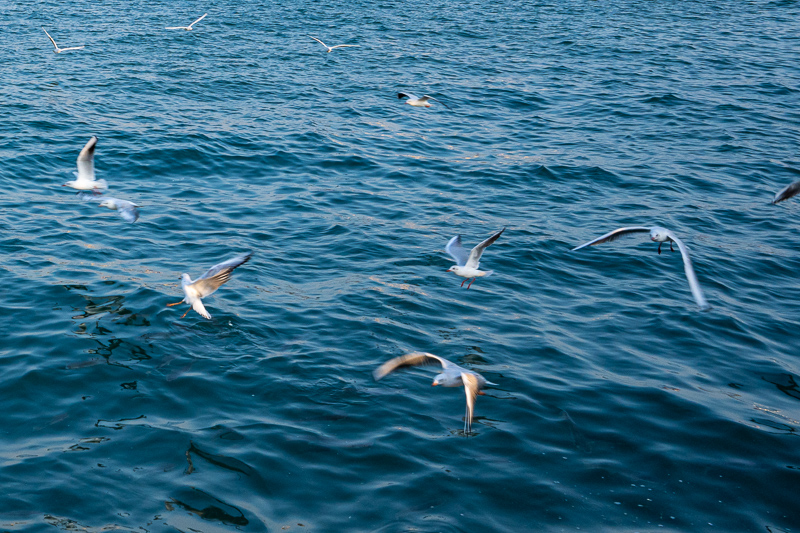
column 332, row 48
column 189, row 27
column 208, row 283
column 452, row 375
column 468, row 263
column 85, row 176
column 419, row 102
column 59, row 50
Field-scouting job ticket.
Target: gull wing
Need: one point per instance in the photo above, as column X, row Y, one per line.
column 694, row 285
column 426, row 97
column 343, row 46
column 209, row 282
column 73, row 48
column 455, row 249
column 406, row 95
column 471, row 388
column 51, row 39
column 176, row 28
column 614, row 235
column 787, row 192
column 320, row 42
column 86, row 160
column 129, row 212
column 198, row 20
column 475, row 255
column 410, row 359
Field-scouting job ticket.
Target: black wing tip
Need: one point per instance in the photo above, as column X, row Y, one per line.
column 402, row 95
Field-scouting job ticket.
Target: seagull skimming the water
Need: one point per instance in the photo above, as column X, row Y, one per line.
column 189, row 27
column 660, row 235
column 208, row 283
column 452, row 376
column 787, row 192
column 419, row 102
column 468, row 262
column 127, row 210
column 85, row 174
column 59, row 50
column 331, row 48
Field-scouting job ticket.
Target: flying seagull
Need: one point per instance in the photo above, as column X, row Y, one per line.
column 660, row 235
column 468, row 262
column 331, row 48
column 419, row 102
column 189, row 27
column 85, row 174
column 208, row 283
column 127, row 210
column 452, row 376
column 787, row 192
column 59, row 50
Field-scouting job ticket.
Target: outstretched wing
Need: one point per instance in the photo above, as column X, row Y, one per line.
column 86, row 160
column 614, row 235
column 129, row 212
column 218, row 274
column 51, row 39
column 694, row 285
column 320, row 42
column 475, row 255
column 410, row 359
column 198, row 20
column 471, row 388
column 406, row 95
column 343, row 46
column 426, row 97
column 455, row 249
column 73, row 48
column 787, row 192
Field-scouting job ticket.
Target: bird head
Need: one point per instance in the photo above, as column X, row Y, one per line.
column 108, row 203
column 658, row 235
column 185, row 279
column 454, row 269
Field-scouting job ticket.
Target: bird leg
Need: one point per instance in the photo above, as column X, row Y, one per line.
column 670, row 247
column 173, row 305
column 184, row 314
column 659, row 248
column 462, row 283
column 471, row 282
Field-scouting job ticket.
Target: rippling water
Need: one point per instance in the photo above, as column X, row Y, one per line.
column 619, row 406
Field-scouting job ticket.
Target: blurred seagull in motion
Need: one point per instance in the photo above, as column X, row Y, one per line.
column 85, row 174
column 208, row 283
column 452, row 376
column 331, row 48
column 468, row 262
column 660, row 235
column 127, row 210
column 787, row 192
column 189, row 27
column 59, row 50
column 419, row 102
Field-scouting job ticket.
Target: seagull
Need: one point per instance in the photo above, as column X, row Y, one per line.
column 127, row 210
column 85, row 174
column 208, row 283
column 419, row 102
column 189, row 27
column 452, row 376
column 330, row 48
column 787, row 192
column 59, row 50
column 468, row 262
column 660, row 235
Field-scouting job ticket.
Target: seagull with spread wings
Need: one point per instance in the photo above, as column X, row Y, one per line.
column 208, row 283
column 85, row 176
column 127, row 210
column 467, row 262
column 452, row 375
column 419, row 102
column 331, row 48
column 189, row 27
column 660, row 235
column 59, row 50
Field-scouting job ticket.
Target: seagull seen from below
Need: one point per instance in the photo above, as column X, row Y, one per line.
column 467, row 263
column 85, row 176
column 419, row 102
column 59, row 50
column 208, row 283
column 452, row 376
column 331, row 48
column 787, row 192
column 660, row 235
column 189, row 27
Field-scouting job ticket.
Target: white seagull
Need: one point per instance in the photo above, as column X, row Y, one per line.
column 787, row 192
column 189, row 27
column 468, row 262
column 208, row 283
column 419, row 102
column 59, row 50
column 660, row 235
column 452, row 376
column 331, row 48
column 127, row 210
column 85, row 174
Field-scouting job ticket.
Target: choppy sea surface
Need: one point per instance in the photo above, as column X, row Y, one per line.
column 619, row 406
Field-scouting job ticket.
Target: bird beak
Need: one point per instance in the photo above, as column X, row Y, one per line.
column 434, row 384
column 449, row 270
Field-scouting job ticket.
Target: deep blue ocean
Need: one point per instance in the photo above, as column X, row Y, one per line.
column 619, row 405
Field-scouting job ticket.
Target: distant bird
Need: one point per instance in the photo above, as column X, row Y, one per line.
column 419, row 102
column 452, row 376
column 660, row 235
column 787, row 192
column 85, row 174
column 127, row 210
column 208, row 283
column 331, row 48
column 189, row 27
column 468, row 262
column 59, row 50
